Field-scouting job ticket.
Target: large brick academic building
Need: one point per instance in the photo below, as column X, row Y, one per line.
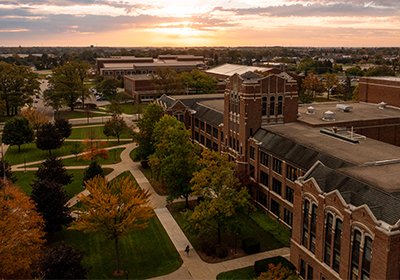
column 314, row 168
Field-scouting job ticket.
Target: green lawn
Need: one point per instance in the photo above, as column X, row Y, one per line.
column 30, row 153
column 24, row 179
column 245, row 273
column 276, row 229
column 126, row 174
column 78, row 114
column 144, row 253
column 114, row 156
column 95, row 132
column 248, row 229
column 130, row 108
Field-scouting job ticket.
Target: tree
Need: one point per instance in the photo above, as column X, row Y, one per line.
column 50, row 199
column 175, row 158
column 62, row 262
column 380, row 71
column 63, row 127
column 48, row 138
column 115, row 209
column 115, row 127
column 312, row 84
column 331, row 82
column 199, row 81
column 52, row 169
column 17, row 131
column 167, row 81
column 17, row 86
column 108, row 87
column 5, row 171
column 21, row 233
column 151, row 115
column 94, row 169
column 67, row 84
column 222, row 196
column 34, row 117
column 93, row 150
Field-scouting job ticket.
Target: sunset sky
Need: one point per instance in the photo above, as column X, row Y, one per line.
column 200, row 23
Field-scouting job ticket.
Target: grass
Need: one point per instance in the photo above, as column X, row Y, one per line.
column 29, row 152
column 95, row 132
column 237, row 274
column 130, row 108
column 133, row 155
column 126, row 174
column 248, row 229
column 78, row 114
column 144, row 253
column 114, row 156
column 158, row 187
column 24, row 179
column 276, row 229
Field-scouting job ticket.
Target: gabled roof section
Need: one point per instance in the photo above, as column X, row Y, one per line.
column 249, row 75
column 295, row 153
column 208, row 114
column 383, row 205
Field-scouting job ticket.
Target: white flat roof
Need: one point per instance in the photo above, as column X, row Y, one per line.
column 231, row 69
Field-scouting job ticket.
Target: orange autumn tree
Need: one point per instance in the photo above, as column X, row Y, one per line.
column 34, row 117
column 92, row 150
column 115, row 209
column 21, row 233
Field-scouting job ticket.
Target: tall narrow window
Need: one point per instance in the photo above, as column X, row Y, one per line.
column 366, row 260
column 313, row 228
column 328, row 239
column 305, row 222
column 355, row 255
column 336, row 245
column 272, row 106
column 280, row 105
column 264, row 106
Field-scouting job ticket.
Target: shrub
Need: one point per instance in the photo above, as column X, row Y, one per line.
column 145, row 164
column 250, row 245
column 262, row 265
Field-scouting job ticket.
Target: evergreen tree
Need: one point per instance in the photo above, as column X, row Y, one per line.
column 17, row 131
column 6, row 168
column 92, row 171
column 52, row 169
column 64, row 127
column 48, row 138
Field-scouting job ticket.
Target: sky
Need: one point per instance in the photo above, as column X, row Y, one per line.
column 130, row 23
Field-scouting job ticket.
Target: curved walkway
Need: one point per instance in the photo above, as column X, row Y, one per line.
column 193, row 266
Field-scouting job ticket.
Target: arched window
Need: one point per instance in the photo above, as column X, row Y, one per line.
column 272, row 106
column 280, row 105
column 309, row 225
column 366, row 259
column 264, row 106
column 333, row 234
column 355, row 255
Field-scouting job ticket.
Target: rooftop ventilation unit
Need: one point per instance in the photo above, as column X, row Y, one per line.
column 344, row 107
column 310, row 110
column 329, row 116
column 382, row 105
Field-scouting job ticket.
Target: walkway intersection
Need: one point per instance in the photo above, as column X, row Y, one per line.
column 193, row 266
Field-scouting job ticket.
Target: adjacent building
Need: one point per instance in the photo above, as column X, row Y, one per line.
column 119, row 66
column 329, row 171
column 385, row 90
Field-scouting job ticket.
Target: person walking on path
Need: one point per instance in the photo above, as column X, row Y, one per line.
column 187, row 249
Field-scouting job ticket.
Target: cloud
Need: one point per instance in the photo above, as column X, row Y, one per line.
column 17, row 30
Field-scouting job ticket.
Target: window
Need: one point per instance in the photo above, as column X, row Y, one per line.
column 215, row 146
column 264, row 178
column 366, row 260
column 264, row 158
column 355, row 255
column 302, row 268
column 291, row 173
column 277, row 186
column 363, row 259
column 196, row 136
column 252, row 152
column 309, row 225
column 275, row 207
column 264, row 106
column 272, row 106
column 201, row 125
column 208, row 143
column 251, row 168
column 310, row 272
column 202, row 139
column 289, row 194
column 336, row 245
column 261, row 198
column 288, row 216
column 277, row 165
column 280, row 105
column 196, row 122
column 208, row 129
column 328, row 239
column 215, row 132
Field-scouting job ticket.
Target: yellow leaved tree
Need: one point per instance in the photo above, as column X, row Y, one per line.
column 21, row 233
column 115, row 209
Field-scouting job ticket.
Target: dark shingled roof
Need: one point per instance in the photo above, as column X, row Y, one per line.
column 167, row 100
column 211, row 116
column 295, row 153
column 381, row 203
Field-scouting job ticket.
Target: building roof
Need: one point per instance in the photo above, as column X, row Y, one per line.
column 385, row 78
column 360, row 112
column 370, row 160
column 231, row 69
column 138, row 77
column 382, row 204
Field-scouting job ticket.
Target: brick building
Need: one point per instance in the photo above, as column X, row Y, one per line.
column 140, row 87
column 336, row 189
column 380, row 89
column 120, row 66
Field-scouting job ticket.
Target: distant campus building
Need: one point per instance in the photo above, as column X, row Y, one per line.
column 329, row 171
